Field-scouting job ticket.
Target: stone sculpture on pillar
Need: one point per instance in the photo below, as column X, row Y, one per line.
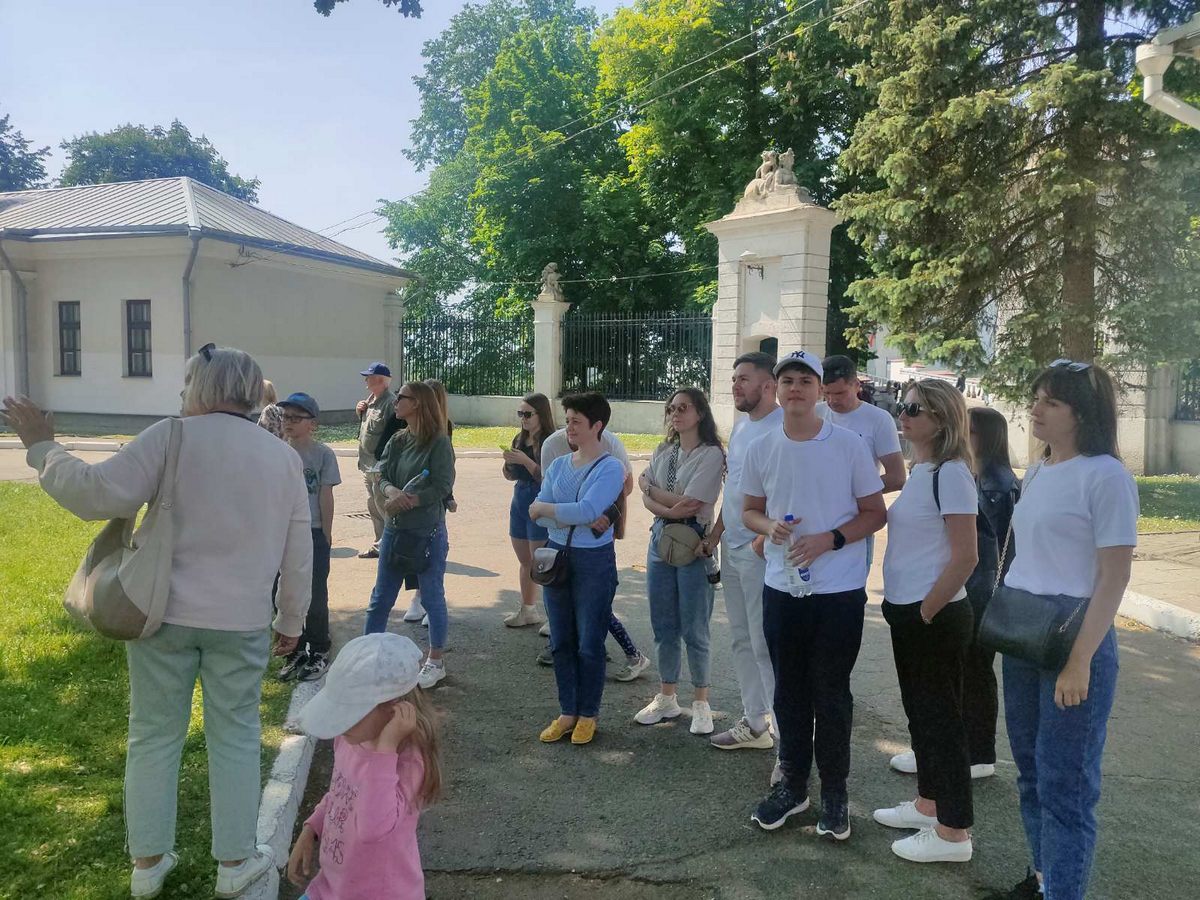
column 551, row 290
column 774, row 183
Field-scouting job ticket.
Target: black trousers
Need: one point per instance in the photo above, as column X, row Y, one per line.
column 316, row 623
column 980, row 705
column 929, row 665
column 813, row 642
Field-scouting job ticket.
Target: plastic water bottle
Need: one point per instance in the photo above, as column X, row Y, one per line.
column 799, row 578
column 415, row 482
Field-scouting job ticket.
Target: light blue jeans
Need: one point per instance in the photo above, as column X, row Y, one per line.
column 162, row 677
column 432, row 583
column 681, row 605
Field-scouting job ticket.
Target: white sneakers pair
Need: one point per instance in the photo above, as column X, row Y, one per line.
column 926, row 845
column 232, row 881
column 906, row 762
column 666, row 706
column 416, row 612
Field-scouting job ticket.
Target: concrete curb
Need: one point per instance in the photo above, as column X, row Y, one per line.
column 282, row 795
column 105, row 446
column 1161, row 616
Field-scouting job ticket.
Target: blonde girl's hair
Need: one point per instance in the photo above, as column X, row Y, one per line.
column 220, row 377
column 427, row 739
column 427, row 422
column 270, row 395
column 942, row 400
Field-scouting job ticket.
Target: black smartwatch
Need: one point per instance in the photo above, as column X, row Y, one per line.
column 839, row 540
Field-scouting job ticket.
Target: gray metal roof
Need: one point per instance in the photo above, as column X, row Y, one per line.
column 168, row 206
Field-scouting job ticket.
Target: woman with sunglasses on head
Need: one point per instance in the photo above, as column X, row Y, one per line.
column 931, row 551
column 416, row 513
column 521, row 467
column 1074, row 532
column 681, row 488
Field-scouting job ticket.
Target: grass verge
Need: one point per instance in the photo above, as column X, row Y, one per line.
column 1169, row 503
column 64, row 704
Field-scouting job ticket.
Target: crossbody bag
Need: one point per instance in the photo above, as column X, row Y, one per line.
column 551, row 566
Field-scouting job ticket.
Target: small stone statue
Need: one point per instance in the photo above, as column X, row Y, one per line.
column 775, row 181
column 551, row 290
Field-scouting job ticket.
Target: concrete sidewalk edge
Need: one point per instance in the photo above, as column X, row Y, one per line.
column 1160, row 615
column 282, row 795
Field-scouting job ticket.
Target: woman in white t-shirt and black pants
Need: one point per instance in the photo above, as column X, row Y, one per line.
column 1074, row 531
column 931, row 551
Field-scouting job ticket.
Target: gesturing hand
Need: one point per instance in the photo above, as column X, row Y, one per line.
column 32, row 424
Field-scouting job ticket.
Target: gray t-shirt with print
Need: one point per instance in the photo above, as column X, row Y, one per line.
column 320, row 470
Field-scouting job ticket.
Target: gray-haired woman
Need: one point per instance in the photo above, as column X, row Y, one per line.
column 240, row 516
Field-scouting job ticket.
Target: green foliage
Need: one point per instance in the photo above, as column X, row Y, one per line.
column 134, row 153
column 1022, row 185
column 407, row 8
column 20, row 167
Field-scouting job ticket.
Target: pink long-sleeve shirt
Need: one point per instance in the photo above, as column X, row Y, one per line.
column 367, row 827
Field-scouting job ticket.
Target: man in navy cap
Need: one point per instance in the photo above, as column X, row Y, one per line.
column 376, row 418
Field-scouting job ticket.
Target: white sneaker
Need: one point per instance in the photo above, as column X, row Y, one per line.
column 661, row 707
column 425, row 620
column 232, row 881
column 431, row 673
column 415, row 610
column 983, row 770
column 928, row 846
column 149, row 882
column 544, row 631
column 742, row 736
column 702, row 722
column 904, row 816
column 526, row 615
column 905, row 762
column 632, row 668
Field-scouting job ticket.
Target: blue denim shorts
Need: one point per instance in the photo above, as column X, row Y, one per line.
column 520, row 526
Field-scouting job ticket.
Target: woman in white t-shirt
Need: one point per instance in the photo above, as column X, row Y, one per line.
column 931, row 551
column 681, row 487
column 1074, row 531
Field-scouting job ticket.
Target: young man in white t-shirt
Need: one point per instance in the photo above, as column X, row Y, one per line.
column 824, row 477
column 742, row 569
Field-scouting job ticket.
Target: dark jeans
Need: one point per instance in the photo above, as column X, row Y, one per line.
column 579, row 613
column 814, row 642
column 929, row 665
column 316, row 623
column 980, row 706
column 1058, row 752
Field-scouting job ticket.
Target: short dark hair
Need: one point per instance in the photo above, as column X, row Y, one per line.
column 758, row 359
column 591, row 406
column 838, row 367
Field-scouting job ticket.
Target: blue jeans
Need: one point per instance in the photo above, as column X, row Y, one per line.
column 579, row 613
column 681, row 605
column 431, row 583
column 520, row 526
column 1058, row 766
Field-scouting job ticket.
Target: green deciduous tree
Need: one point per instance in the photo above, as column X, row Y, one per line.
column 409, row 8
column 134, row 152
column 20, row 167
column 1022, row 181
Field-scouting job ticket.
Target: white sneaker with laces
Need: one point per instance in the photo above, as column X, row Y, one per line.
column 905, row 815
column 905, row 762
column 742, row 736
column 544, row 631
column 149, row 882
column 702, row 722
column 929, row 846
column 232, row 881
column 415, row 610
column 632, row 668
column 431, row 673
column 663, row 706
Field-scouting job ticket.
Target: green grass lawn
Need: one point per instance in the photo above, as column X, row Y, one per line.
column 479, row 437
column 1169, row 503
column 64, row 705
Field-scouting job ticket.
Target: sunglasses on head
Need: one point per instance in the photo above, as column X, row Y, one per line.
column 1070, row 365
column 207, row 351
column 912, row 410
column 524, row 414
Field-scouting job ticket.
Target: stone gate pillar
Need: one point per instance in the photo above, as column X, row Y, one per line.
column 548, row 311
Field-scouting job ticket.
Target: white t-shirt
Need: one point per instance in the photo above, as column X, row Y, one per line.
column 874, row 425
column 819, row 481
column 745, row 432
column 1067, row 512
column 918, row 545
column 556, row 445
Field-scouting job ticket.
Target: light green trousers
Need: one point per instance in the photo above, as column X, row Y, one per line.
column 162, row 677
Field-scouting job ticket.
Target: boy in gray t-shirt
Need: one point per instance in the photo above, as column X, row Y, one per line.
column 311, row 657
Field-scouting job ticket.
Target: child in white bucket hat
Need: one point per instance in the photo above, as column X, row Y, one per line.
column 386, row 770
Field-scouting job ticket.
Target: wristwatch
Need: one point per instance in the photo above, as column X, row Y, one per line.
column 839, row 540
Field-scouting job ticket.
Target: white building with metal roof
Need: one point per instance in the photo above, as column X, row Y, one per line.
column 106, row 290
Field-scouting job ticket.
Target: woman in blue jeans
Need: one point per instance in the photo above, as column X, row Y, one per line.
column 1074, row 531
column 576, row 490
column 522, row 467
column 680, row 488
column 415, row 516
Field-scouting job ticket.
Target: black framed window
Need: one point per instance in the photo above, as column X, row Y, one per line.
column 137, row 338
column 68, row 338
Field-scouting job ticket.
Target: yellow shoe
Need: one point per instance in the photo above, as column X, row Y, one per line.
column 585, row 730
column 556, row 731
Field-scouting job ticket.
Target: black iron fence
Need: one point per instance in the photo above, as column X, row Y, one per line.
column 471, row 355
column 636, row 356
column 1187, row 406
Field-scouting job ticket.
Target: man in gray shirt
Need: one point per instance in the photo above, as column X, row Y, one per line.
column 375, row 415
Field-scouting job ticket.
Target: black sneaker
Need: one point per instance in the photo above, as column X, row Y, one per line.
column 780, row 803
column 835, row 817
column 314, row 667
column 292, row 664
column 1029, row 889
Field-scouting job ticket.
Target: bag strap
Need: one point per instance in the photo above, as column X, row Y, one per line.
column 579, row 490
column 1028, row 480
column 165, row 496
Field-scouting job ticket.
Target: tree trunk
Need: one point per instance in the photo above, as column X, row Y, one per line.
column 1080, row 213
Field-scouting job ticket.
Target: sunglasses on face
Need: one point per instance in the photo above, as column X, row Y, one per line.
column 681, row 408
column 1070, row 365
column 912, row 410
column 523, row 414
column 400, row 397
column 293, row 419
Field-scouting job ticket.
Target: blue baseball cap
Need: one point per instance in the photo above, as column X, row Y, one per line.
column 801, row 358
column 304, row 402
column 377, row 368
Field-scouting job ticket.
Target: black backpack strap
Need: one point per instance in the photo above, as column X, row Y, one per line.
column 937, row 495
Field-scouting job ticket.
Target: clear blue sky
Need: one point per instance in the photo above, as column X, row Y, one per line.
column 317, row 108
